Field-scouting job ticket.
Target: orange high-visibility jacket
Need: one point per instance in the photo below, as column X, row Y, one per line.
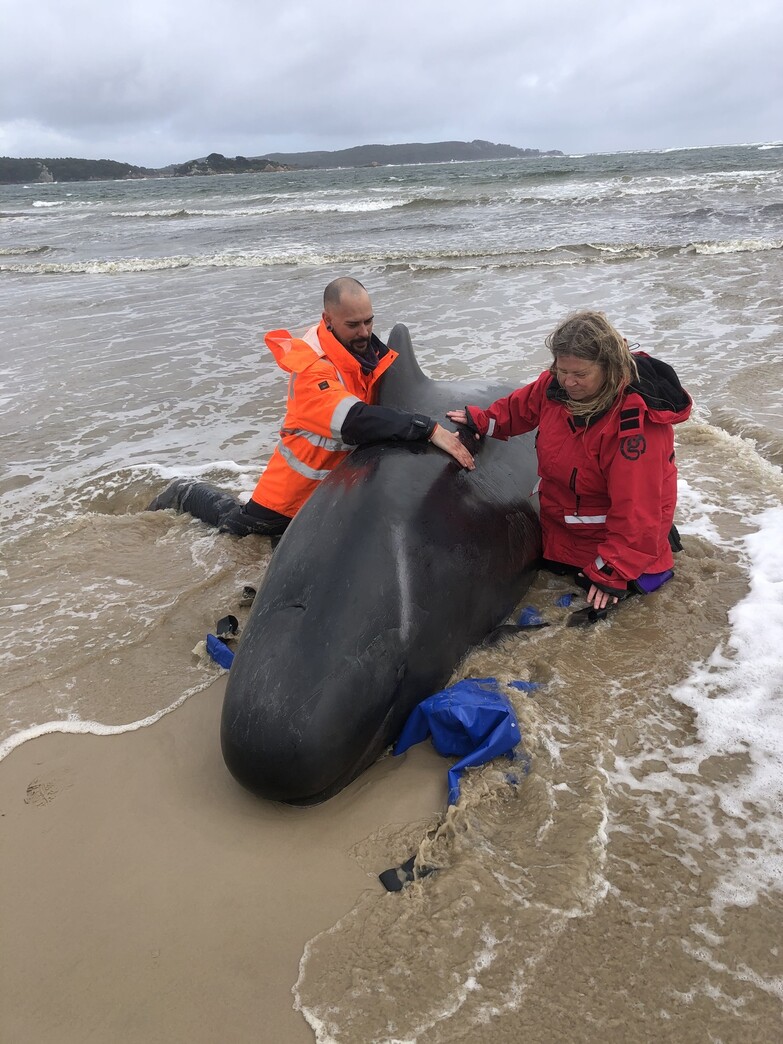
column 325, row 382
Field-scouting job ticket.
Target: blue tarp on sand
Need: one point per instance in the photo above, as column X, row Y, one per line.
column 471, row 719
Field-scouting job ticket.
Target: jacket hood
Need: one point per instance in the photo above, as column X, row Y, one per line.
column 660, row 388
column 295, row 354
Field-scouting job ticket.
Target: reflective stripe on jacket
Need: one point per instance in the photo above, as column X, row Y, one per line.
column 325, row 382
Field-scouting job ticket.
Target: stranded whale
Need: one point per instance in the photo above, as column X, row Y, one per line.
column 397, row 565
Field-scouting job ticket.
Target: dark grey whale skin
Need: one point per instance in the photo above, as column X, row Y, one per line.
column 396, row 566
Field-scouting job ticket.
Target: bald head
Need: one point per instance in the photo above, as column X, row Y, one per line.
column 348, row 313
column 344, row 286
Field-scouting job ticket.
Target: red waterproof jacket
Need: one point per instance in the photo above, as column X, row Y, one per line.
column 607, row 488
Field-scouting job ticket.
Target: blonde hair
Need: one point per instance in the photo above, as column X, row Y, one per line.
column 590, row 336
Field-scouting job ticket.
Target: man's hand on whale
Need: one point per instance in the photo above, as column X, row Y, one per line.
column 451, row 443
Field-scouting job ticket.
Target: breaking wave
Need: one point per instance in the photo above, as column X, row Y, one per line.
column 565, row 254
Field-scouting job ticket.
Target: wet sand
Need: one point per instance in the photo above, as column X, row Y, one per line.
column 147, row 897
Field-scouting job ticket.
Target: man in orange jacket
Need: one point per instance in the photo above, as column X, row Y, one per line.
column 334, row 371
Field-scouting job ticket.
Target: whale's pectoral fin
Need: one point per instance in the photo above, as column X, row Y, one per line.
column 510, row 630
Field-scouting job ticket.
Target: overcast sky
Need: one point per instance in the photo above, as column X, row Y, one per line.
column 153, row 82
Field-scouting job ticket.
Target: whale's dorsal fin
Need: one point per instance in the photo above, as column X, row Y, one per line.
column 406, row 367
column 398, row 385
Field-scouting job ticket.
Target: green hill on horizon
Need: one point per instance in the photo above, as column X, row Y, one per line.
column 42, row 171
column 412, row 152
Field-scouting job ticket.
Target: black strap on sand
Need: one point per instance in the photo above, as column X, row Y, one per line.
column 585, row 617
column 395, row 879
column 675, row 541
column 227, row 627
column 247, row 596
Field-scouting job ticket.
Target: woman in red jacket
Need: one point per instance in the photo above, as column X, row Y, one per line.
column 607, row 477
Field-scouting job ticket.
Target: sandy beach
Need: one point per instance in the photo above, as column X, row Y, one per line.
column 146, row 897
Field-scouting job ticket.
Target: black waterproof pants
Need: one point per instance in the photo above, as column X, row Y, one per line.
column 220, row 509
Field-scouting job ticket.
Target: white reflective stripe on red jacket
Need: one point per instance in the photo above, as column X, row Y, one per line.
column 583, row 520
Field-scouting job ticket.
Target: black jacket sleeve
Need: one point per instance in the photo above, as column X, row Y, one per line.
column 365, row 423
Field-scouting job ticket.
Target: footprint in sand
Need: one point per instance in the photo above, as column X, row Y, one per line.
column 42, row 792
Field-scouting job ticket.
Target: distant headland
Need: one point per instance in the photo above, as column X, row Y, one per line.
column 42, row 171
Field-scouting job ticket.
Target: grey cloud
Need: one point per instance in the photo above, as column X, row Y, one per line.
column 157, row 82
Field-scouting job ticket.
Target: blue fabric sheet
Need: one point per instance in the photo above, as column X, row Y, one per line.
column 471, row 719
column 219, row 651
column 530, row 617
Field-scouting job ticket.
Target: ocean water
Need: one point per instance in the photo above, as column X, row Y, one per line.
column 638, row 866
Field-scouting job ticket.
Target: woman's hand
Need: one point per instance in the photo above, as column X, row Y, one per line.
column 457, row 416
column 460, row 417
column 451, row 443
column 599, row 599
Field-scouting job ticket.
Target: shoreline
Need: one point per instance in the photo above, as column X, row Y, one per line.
column 147, row 897
column 82, row 727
